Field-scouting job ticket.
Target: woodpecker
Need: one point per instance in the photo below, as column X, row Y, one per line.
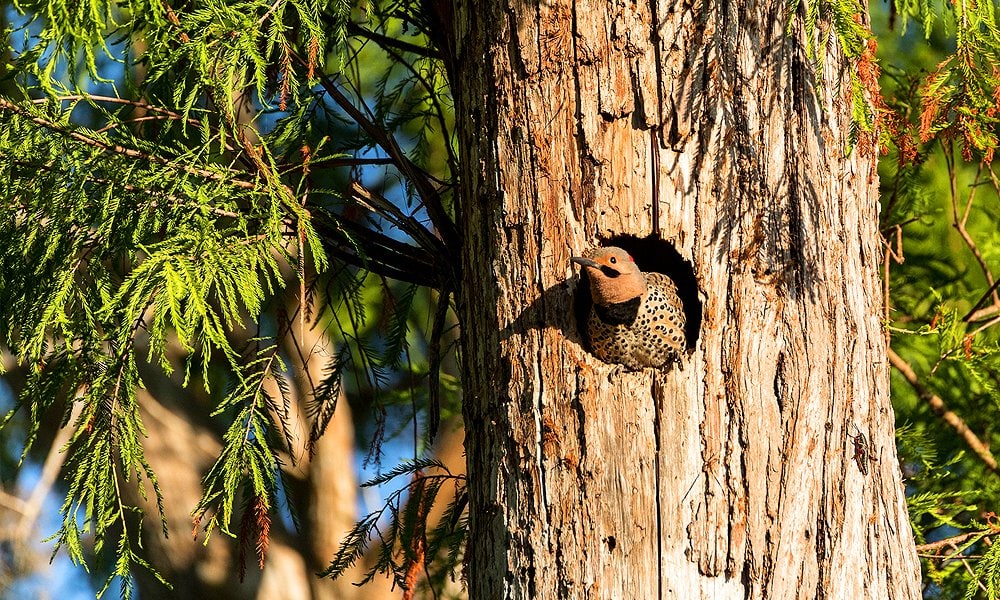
column 636, row 319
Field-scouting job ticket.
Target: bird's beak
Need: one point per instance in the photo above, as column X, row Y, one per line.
column 586, row 262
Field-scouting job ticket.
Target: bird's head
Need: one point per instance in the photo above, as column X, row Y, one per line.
column 614, row 276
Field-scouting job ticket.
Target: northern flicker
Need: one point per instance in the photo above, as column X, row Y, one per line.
column 637, row 319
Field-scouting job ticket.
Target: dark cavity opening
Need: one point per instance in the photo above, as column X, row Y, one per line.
column 653, row 255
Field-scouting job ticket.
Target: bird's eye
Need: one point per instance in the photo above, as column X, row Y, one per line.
column 613, row 260
column 630, row 259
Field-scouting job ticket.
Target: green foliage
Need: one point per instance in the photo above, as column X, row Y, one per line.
column 407, row 547
column 169, row 174
column 248, row 460
column 939, row 221
column 987, row 575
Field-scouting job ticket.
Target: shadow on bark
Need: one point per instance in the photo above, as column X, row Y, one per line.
column 565, row 306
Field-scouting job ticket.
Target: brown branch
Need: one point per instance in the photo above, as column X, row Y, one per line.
column 435, row 102
column 344, row 161
column 408, row 224
column 429, row 194
column 122, row 150
column 983, row 327
column 110, row 99
column 388, row 42
column 365, row 248
column 172, row 17
column 166, row 112
column 959, row 224
column 978, row 312
column 953, row 541
column 115, row 124
column 939, row 408
column 270, row 11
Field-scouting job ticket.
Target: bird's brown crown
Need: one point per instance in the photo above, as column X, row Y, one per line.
column 614, row 276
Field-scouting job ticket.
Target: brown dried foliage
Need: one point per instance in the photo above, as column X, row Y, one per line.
column 255, row 530
column 416, row 556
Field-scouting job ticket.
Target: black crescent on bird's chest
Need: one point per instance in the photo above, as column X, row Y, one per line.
column 620, row 313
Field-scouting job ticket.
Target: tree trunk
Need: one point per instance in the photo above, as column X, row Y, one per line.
column 734, row 475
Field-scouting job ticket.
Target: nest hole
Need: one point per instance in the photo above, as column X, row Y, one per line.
column 652, row 255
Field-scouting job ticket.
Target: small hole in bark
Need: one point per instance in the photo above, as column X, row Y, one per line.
column 653, row 255
column 611, row 542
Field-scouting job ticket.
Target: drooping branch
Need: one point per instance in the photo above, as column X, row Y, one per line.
column 110, row 148
column 151, row 193
column 382, row 255
column 930, row 550
column 405, row 223
column 386, row 41
column 426, row 189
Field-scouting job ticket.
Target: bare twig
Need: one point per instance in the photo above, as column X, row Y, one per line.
column 270, row 11
column 959, row 224
column 978, row 312
column 896, row 255
column 939, row 408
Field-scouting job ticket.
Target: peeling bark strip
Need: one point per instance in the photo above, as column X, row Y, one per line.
column 733, row 475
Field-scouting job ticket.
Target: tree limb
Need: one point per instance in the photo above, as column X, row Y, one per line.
column 939, row 408
column 429, row 194
column 382, row 255
column 933, row 547
column 386, row 41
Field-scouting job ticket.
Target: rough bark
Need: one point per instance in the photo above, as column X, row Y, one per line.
column 733, row 475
